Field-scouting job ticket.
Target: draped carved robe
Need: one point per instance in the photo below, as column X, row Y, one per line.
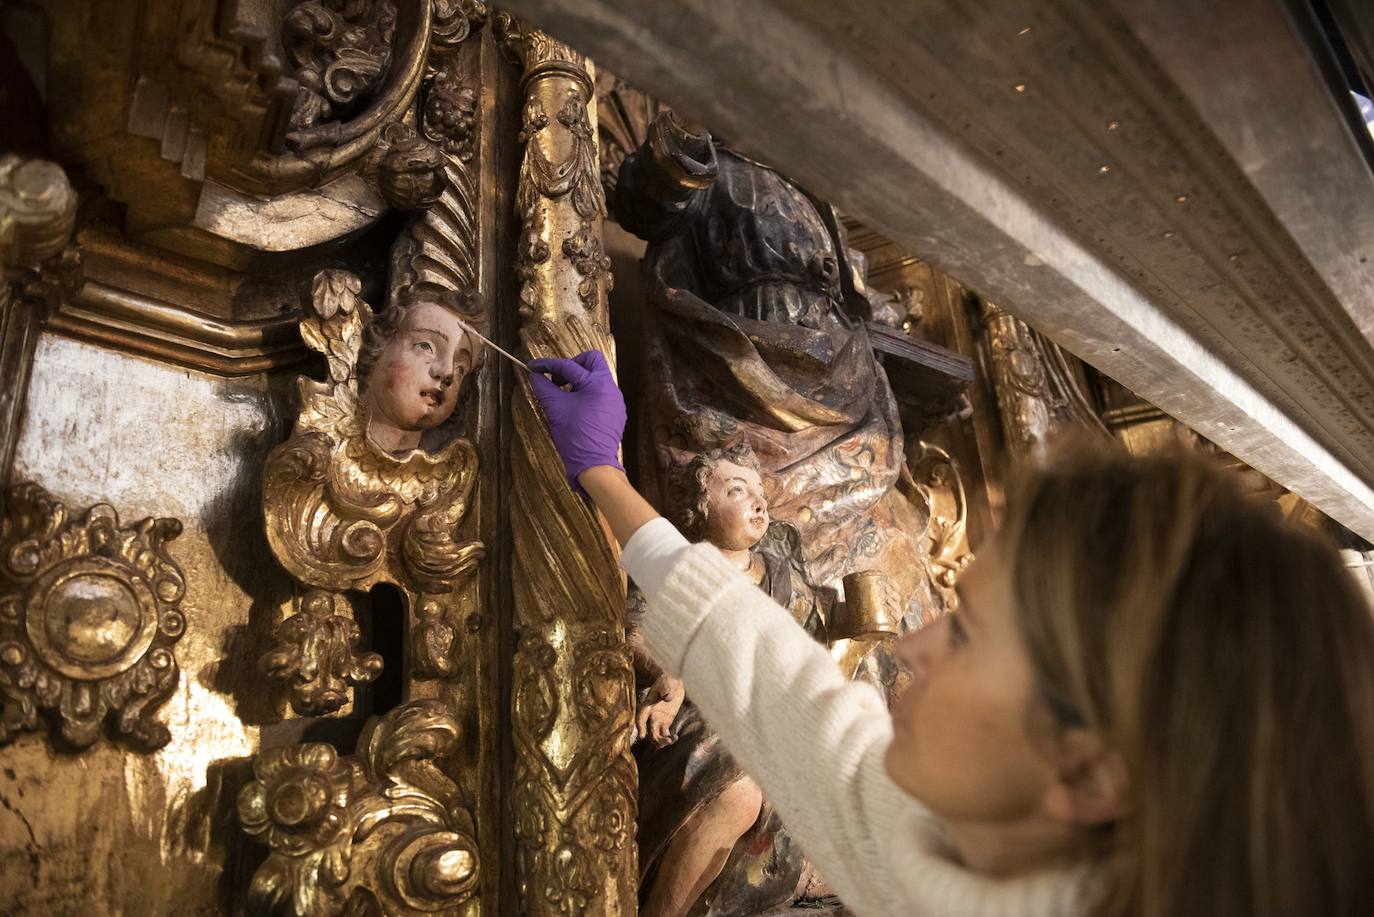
column 754, row 336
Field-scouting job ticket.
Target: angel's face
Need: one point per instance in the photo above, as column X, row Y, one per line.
column 736, row 510
column 414, row 386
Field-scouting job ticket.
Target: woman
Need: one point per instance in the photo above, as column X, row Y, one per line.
column 1155, row 699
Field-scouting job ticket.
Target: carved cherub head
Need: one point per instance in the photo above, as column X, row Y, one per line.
column 723, row 500
column 412, row 363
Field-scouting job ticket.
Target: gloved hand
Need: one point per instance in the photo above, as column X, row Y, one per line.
column 586, row 423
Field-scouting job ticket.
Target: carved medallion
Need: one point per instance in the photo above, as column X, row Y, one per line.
column 89, row 612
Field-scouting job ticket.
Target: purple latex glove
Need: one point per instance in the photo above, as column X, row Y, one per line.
column 586, row 423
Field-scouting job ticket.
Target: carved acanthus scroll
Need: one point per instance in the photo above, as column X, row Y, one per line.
column 938, row 481
column 383, row 832
column 89, row 613
column 225, row 106
column 574, row 791
column 340, row 52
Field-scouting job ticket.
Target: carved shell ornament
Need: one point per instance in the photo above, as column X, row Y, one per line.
column 339, row 507
column 89, row 613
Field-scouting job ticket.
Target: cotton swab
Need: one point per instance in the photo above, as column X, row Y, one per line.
column 492, row 344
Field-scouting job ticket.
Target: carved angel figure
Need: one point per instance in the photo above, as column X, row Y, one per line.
column 411, row 365
column 695, row 801
column 373, row 484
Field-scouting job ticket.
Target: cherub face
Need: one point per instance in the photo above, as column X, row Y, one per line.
column 736, row 511
column 414, row 385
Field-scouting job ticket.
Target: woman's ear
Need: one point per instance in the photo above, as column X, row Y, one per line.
column 1091, row 785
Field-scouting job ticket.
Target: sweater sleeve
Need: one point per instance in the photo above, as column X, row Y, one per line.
column 813, row 740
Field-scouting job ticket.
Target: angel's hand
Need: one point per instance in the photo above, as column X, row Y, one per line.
column 656, row 714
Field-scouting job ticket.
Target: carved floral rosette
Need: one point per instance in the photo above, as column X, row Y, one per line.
column 344, row 515
column 89, row 613
column 382, row 832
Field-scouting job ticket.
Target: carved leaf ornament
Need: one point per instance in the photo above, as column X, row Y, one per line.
column 336, row 826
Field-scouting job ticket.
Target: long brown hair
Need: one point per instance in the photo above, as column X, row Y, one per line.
column 1229, row 657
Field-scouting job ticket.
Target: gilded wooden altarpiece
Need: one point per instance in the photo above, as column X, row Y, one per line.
column 572, row 693
column 411, row 824
column 246, row 162
column 89, row 608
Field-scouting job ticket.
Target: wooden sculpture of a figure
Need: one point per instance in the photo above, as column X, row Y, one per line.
column 709, row 842
column 373, row 484
column 413, row 360
column 757, row 336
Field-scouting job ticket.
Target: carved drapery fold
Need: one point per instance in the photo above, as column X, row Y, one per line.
column 574, row 791
column 623, row 116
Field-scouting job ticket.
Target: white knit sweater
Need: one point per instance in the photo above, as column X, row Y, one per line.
column 814, row 742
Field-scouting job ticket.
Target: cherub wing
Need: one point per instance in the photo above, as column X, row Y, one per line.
column 335, row 316
column 333, row 325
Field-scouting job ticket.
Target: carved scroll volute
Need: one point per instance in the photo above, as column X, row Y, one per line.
column 89, row 614
column 575, row 785
column 381, row 832
column 369, row 56
column 937, row 479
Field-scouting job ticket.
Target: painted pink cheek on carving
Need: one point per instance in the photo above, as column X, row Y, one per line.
column 395, row 374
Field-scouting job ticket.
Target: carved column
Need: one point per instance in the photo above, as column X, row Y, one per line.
column 574, row 791
column 1038, row 392
column 37, row 213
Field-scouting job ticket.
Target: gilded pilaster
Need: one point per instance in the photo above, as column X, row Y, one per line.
column 574, row 790
column 1038, row 391
column 39, row 269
